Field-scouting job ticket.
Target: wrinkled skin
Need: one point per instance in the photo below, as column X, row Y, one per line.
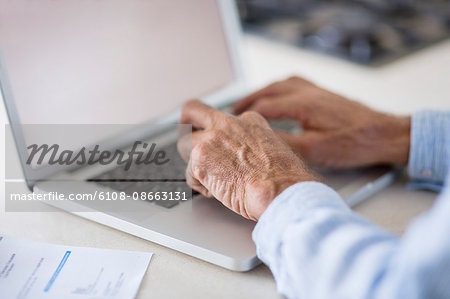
column 238, row 159
column 243, row 163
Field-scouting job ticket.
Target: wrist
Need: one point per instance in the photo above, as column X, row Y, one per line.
column 395, row 143
column 265, row 192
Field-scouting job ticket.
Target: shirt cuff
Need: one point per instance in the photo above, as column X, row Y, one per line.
column 427, row 156
column 290, row 206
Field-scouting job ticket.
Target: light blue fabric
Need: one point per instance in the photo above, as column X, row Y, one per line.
column 427, row 158
column 317, row 247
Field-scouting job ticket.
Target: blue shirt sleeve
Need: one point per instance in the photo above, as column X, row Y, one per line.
column 428, row 152
column 317, row 248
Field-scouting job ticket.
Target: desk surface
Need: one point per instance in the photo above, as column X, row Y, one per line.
column 415, row 82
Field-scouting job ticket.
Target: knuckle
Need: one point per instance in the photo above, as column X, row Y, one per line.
column 219, row 135
column 228, row 119
column 185, row 110
column 189, row 179
column 190, row 101
column 251, row 115
column 215, row 135
column 275, row 87
column 199, row 151
column 278, row 87
column 188, row 104
column 299, row 80
column 198, row 172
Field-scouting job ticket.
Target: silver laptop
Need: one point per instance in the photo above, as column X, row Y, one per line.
column 134, row 62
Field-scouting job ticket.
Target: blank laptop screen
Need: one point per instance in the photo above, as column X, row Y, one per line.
column 110, row 61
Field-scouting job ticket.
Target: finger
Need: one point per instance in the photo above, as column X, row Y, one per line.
column 271, row 91
column 268, row 91
column 255, row 118
column 291, row 139
column 183, row 129
column 194, row 183
column 201, row 116
column 186, row 143
column 184, row 140
column 281, row 107
column 184, row 147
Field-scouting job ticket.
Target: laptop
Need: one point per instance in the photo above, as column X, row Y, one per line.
column 70, row 65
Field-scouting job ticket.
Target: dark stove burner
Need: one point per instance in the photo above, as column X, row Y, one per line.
column 365, row 31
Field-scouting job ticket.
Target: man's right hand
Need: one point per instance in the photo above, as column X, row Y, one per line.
column 237, row 159
column 338, row 133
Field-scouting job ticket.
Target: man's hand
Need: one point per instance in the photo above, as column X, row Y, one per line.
column 338, row 133
column 238, row 160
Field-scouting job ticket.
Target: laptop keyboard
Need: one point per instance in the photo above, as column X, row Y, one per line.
column 150, row 178
column 169, row 177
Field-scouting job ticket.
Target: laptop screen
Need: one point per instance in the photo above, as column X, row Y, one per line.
column 111, row 61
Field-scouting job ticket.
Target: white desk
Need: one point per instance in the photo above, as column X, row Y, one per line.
column 414, row 82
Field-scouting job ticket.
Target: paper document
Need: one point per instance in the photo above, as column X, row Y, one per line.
column 30, row 270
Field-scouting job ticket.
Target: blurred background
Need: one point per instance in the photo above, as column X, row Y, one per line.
column 368, row 32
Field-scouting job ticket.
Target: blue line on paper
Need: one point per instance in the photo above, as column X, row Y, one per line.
column 60, row 266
